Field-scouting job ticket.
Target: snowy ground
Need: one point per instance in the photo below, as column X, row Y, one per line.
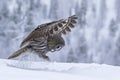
column 56, row 71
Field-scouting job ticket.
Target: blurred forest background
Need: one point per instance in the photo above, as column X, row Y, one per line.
column 96, row 37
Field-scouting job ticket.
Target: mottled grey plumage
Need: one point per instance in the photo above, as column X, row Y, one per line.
column 46, row 37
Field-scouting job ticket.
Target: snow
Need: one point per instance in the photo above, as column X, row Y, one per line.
column 28, row 70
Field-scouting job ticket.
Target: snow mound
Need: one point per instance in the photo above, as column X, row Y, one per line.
column 26, row 70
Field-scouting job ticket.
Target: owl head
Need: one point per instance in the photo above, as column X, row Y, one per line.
column 55, row 43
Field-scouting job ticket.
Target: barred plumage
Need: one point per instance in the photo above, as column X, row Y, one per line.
column 47, row 37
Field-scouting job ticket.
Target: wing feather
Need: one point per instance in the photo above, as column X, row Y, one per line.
column 62, row 26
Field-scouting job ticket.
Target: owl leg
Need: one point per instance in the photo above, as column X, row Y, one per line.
column 44, row 56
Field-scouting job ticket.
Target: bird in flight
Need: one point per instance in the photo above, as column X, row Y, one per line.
column 46, row 37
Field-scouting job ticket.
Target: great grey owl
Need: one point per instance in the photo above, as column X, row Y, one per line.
column 46, row 37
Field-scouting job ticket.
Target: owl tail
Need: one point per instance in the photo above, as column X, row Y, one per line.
column 19, row 52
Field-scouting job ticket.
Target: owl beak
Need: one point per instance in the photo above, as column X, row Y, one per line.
column 53, row 50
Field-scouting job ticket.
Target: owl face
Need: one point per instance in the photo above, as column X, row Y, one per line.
column 55, row 43
column 57, row 47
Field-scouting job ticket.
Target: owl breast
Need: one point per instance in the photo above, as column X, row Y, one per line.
column 39, row 45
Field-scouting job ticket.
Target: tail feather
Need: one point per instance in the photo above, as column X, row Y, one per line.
column 19, row 52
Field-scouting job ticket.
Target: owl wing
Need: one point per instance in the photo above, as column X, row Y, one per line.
column 61, row 26
column 55, row 27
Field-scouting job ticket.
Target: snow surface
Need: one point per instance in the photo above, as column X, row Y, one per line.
column 21, row 70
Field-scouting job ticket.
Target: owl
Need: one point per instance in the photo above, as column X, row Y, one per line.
column 46, row 37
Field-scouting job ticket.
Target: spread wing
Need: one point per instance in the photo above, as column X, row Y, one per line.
column 62, row 26
column 56, row 27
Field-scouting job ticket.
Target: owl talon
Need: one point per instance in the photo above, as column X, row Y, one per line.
column 46, row 57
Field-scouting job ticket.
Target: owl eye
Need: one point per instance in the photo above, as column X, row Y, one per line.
column 58, row 47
